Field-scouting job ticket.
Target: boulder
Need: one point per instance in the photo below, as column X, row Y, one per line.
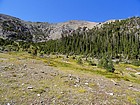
column 138, row 73
column 29, row 87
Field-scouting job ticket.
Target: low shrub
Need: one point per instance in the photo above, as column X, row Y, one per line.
column 136, row 62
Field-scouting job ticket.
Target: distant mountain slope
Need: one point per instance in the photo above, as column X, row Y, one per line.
column 17, row 29
column 14, row 28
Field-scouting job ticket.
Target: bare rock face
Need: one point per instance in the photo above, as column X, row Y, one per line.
column 68, row 27
column 17, row 29
column 13, row 28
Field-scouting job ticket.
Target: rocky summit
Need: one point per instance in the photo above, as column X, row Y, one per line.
column 16, row 29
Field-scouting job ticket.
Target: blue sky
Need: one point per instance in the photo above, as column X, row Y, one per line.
column 64, row 10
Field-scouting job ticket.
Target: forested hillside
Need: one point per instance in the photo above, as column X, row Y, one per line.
column 119, row 39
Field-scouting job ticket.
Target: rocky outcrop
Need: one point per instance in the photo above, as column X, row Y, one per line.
column 14, row 28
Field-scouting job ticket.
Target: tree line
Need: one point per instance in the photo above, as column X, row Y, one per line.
column 111, row 40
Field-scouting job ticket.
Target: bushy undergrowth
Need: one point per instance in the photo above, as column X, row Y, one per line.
column 106, row 64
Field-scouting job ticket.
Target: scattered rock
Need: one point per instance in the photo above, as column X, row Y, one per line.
column 76, row 85
column 29, row 87
column 70, row 76
column 55, row 85
column 62, row 92
column 86, row 83
column 138, row 73
column 77, row 80
column 115, row 83
column 130, row 85
column 23, row 89
column 111, row 94
column 53, row 101
column 54, row 74
column 12, row 65
column 38, row 95
column 8, row 104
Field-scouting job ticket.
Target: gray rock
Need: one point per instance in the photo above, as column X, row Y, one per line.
column 29, row 87
column 138, row 73
column 77, row 80
column 86, row 83
column 8, row 104
column 76, row 85
column 130, row 85
column 111, row 94
column 115, row 83
column 38, row 31
column 38, row 95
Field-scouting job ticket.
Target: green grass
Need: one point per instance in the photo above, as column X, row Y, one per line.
column 131, row 100
column 71, row 64
column 120, row 68
column 81, row 90
column 39, row 90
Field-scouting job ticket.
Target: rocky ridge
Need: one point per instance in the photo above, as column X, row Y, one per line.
column 17, row 29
